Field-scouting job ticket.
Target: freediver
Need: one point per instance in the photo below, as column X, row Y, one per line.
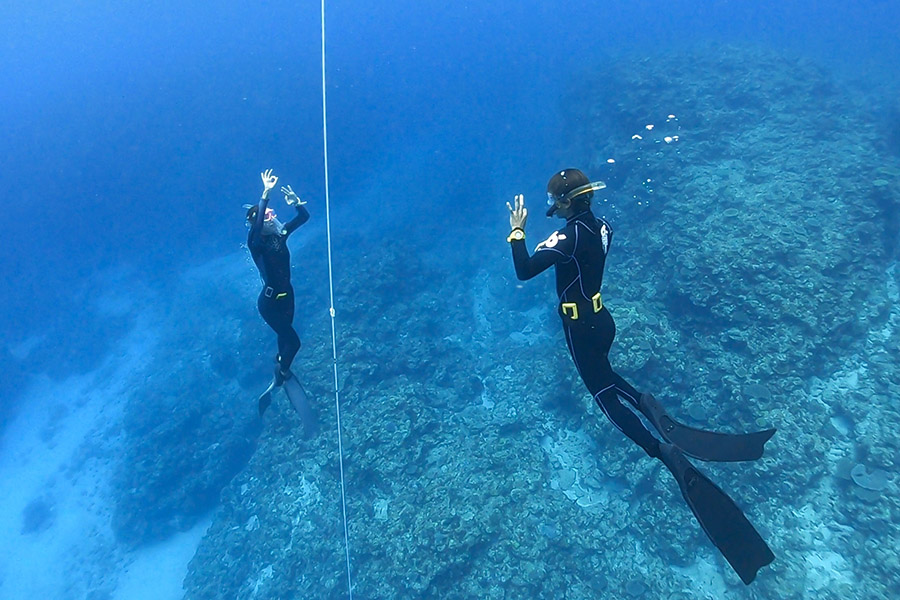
column 578, row 252
column 267, row 241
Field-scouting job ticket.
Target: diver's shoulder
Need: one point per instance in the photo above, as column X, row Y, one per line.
column 560, row 240
column 587, row 222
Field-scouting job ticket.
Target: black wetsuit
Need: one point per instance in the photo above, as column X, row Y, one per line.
column 276, row 300
column 579, row 253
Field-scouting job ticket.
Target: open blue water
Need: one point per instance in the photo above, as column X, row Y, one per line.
column 753, row 281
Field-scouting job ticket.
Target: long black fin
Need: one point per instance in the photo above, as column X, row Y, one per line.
column 265, row 399
column 702, row 444
column 300, row 401
column 723, row 521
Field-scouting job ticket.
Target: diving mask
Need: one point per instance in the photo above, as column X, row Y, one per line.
column 556, row 202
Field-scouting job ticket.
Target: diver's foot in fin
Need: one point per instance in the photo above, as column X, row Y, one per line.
column 265, row 399
column 721, row 519
column 281, row 375
column 700, row 443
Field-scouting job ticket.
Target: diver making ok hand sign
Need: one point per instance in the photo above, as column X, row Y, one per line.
column 578, row 252
column 267, row 241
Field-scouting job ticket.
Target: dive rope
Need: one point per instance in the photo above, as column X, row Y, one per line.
column 337, row 402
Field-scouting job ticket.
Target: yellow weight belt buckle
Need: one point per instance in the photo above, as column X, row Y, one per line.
column 598, row 302
column 570, row 306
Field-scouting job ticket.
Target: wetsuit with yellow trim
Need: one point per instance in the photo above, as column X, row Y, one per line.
column 276, row 300
column 578, row 251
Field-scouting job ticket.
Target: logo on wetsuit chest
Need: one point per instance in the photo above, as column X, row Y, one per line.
column 551, row 241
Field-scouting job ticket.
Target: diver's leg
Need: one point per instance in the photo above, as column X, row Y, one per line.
column 288, row 346
column 698, row 443
column 589, row 344
column 626, row 421
column 268, row 310
column 264, row 305
column 278, row 315
column 288, row 340
column 627, row 391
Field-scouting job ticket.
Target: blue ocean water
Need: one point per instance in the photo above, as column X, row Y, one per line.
column 753, row 284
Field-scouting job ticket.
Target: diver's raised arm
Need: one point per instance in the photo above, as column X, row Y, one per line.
column 518, row 214
column 526, row 266
column 269, row 182
column 291, row 197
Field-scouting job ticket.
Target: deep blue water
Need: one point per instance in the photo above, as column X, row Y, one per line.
column 132, row 133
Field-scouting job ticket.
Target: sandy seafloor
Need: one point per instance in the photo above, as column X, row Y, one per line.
column 63, row 448
column 756, row 284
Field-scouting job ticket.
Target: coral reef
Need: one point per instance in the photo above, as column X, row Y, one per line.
column 193, row 425
column 748, row 287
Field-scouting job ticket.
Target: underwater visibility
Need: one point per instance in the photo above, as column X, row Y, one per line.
column 405, row 301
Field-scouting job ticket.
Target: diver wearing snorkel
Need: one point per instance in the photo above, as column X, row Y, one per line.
column 267, row 241
column 578, row 252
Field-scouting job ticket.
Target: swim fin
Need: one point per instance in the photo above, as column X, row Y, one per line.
column 297, row 396
column 265, row 399
column 722, row 520
column 700, row 443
